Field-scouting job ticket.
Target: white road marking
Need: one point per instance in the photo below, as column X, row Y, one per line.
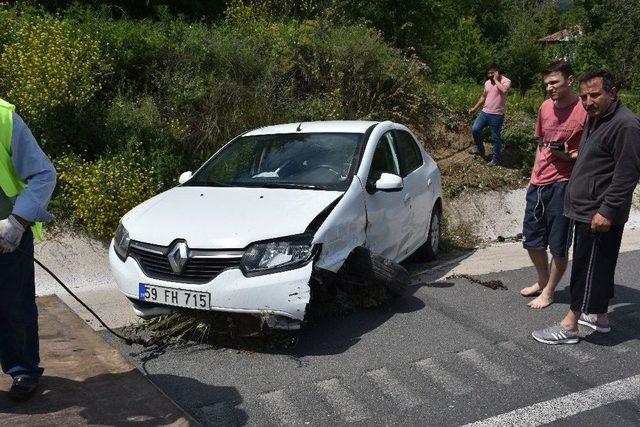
column 489, row 369
column 277, row 403
column 567, row 406
column 575, row 352
column 434, row 371
column 392, row 388
column 342, row 400
column 524, row 354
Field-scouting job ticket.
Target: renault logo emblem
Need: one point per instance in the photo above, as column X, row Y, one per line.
column 178, row 256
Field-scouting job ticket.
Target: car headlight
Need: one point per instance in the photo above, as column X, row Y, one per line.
column 121, row 242
column 277, row 255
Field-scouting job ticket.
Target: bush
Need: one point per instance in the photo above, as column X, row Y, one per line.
column 528, row 104
column 457, row 96
column 168, row 93
column 631, row 100
column 49, row 66
column 356, row 76
column 98, row 193
column 251, row 71
column 519, row 140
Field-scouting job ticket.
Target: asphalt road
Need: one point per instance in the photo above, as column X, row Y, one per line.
column 451, row 352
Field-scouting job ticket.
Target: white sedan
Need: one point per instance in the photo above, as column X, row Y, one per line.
column 273, row 208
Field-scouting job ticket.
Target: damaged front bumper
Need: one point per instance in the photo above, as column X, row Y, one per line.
column 280, row 299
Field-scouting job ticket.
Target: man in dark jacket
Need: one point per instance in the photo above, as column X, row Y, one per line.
column 598, row 199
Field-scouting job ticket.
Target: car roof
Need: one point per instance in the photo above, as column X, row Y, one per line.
column 334, row 126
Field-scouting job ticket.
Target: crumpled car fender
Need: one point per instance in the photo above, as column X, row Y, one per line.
column 344, row 228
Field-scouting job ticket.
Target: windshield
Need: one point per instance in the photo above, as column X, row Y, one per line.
column 324, row 161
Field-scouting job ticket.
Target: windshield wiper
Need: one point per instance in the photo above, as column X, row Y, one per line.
column 206, row 184
column 290, row 185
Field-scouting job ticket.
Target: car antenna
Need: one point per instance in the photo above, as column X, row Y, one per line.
column 299, row 127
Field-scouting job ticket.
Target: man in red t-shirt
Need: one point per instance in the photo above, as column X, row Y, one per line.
column 561, row 119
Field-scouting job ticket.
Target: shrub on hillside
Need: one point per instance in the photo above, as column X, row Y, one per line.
column 363, row 78
column 457, row 96
column 98, row 193
column 519, row 140
column 631, row 100
column 176, row 91
column 338, row 72
column 251, row 71
column 528, row 104
column 48, row 67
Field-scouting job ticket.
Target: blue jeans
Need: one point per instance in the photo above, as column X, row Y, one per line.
column 494, row 121
column 19, row 346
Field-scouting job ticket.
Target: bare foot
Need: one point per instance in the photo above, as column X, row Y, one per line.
column 541, row 302
column 531, row 291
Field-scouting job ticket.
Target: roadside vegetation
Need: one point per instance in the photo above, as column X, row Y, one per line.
column 127, row 95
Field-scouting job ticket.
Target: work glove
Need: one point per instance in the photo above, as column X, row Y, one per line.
column 10, row 234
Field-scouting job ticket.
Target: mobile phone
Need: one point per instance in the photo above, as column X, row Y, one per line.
column 558, row 146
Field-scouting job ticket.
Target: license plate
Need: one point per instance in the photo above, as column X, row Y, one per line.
column 172, row 296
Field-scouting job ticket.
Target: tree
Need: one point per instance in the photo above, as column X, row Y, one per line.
column 612, row 39
column 467, row 53
column 523, row 57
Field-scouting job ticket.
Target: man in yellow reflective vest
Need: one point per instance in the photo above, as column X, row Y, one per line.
column 27, row 180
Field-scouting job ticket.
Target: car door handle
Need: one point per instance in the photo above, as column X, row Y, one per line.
column 429, row 182
column 406, row 199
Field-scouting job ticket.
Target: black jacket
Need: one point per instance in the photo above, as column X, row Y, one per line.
column 607, row 169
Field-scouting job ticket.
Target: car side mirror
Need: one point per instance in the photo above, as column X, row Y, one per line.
column 185, row 176
column 389, row 182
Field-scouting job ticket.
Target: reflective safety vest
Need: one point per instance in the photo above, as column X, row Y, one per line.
column 9, row 181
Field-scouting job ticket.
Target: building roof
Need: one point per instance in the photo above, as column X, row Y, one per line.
column 562, row 36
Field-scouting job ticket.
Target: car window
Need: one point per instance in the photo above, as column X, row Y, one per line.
column 384, row 159
column 408, row 153
column 302, row 160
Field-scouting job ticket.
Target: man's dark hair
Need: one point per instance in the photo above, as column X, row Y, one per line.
column 608, row 82
column 493, row 66
column 561, row 66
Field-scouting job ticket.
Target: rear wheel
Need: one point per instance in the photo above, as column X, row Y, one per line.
column 429, row 250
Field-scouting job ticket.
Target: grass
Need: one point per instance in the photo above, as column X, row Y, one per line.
column 456, row 239
column 462, row 96
column 247, row 332
column 472, row 173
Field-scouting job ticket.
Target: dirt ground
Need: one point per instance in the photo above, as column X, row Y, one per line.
column 449, row 141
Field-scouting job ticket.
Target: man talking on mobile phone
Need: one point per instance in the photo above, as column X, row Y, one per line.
column 561, row 119
column 492, row 101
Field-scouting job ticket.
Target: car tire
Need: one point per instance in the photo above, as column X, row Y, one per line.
column 367, row 267
column 429, row 250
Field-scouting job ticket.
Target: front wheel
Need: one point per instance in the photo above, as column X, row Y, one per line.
column 429, row 250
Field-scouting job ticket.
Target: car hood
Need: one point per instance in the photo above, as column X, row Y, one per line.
column 225, row 217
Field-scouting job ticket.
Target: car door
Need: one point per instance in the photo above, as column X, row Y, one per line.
column 418, row 189
column 387, row 211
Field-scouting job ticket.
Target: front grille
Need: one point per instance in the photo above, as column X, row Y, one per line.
column 202, row 266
